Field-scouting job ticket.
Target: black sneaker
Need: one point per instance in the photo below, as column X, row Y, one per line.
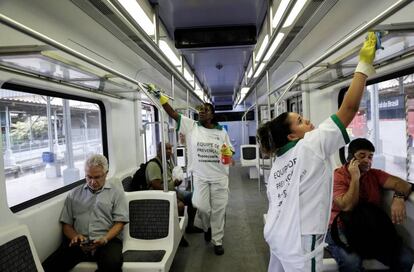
column 207, row 235
column 183, row 242
column 193, row 230
column 218, row 250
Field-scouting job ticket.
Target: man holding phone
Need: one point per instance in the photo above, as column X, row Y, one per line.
column 92, row 220
column 356, row 182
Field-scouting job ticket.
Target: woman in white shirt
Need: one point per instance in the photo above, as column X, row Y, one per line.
column 206, row 142
column 300, row 182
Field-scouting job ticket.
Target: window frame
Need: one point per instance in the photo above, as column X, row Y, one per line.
column 342, row 92
column 34, row 90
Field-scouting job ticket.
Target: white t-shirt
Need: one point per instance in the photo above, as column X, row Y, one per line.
column 203, row 145
column 306, row 161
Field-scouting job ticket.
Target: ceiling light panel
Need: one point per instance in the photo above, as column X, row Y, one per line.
column 262, row 47
column 274, row 46
column 279, row 12
column 139, row 15
column 294, row 12
column 170, row 53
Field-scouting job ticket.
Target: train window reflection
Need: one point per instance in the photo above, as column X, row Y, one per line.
column 386, row 117
column 45, row 141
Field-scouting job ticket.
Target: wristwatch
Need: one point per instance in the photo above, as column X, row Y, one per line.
column 399, row 195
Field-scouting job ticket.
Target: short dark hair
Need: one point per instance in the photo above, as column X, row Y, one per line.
column 213, row 112
column 359, row 144
column 274, row 134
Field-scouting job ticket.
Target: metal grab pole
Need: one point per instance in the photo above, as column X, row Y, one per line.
column 381, row 17
column 287, row 88
column 256, row 116
column 163, row 154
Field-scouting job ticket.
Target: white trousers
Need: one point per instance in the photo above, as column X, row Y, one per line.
column 309, row 243
column 210, row 197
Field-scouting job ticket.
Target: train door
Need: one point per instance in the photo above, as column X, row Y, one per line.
column 295, row 104
column 149, row 143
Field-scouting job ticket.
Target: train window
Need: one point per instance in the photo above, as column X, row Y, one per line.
column 386, row 118
column 46, row 138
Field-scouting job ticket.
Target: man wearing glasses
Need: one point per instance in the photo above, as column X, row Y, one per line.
column 92, row 220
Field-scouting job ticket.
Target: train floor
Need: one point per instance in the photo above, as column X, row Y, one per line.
column 244, row 245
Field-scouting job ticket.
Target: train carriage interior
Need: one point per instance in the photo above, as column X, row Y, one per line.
column 73, row 82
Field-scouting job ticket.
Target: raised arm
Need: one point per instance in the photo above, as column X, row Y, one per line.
column 170, row 111
column 152, row 89
column 350, row 104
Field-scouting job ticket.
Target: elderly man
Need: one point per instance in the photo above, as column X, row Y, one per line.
column 356, row 182
column 92, row 220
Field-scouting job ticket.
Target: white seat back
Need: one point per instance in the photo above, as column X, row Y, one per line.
column 248, row 155
column 151, row 238
column 17, row 251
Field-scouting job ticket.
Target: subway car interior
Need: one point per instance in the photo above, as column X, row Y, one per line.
column 74, row 81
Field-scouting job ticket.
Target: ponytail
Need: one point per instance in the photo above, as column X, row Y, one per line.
column 274, row 134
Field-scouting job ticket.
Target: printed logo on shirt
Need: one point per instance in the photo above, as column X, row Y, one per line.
column 208, row 152
column 283, row 178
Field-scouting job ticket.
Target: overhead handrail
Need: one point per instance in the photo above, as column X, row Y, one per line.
column 287, row 88
column 43, row 38
column 362, row 30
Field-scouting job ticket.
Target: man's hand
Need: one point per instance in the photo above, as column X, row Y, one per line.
column 100, row 242
column 353, row 169
column 398, row 214
column 77, row 240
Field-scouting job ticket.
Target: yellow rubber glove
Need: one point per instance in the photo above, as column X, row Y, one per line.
column 367, row 55
column 155, row 91
column 163, row 99
column 225, row 150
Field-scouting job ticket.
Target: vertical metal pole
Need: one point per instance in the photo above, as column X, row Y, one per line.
column 375, row 118
column 55, row 128
column 256, row 117
column 68, row 137
column 187, row 105
column 9, row 158
column 407, row 132
column 268, row 96
column 174, row 134
column 85, row 116
column 49, row 124
column 8, row 141
column 30, row 132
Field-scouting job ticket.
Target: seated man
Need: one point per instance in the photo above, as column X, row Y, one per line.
column 356, row 182
column 153, row 174
column 92, row 219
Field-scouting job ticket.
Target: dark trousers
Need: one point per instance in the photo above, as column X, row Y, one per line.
column 352, row 262
column 107, row 257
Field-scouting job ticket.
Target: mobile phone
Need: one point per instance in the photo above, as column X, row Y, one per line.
column 86, row 242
